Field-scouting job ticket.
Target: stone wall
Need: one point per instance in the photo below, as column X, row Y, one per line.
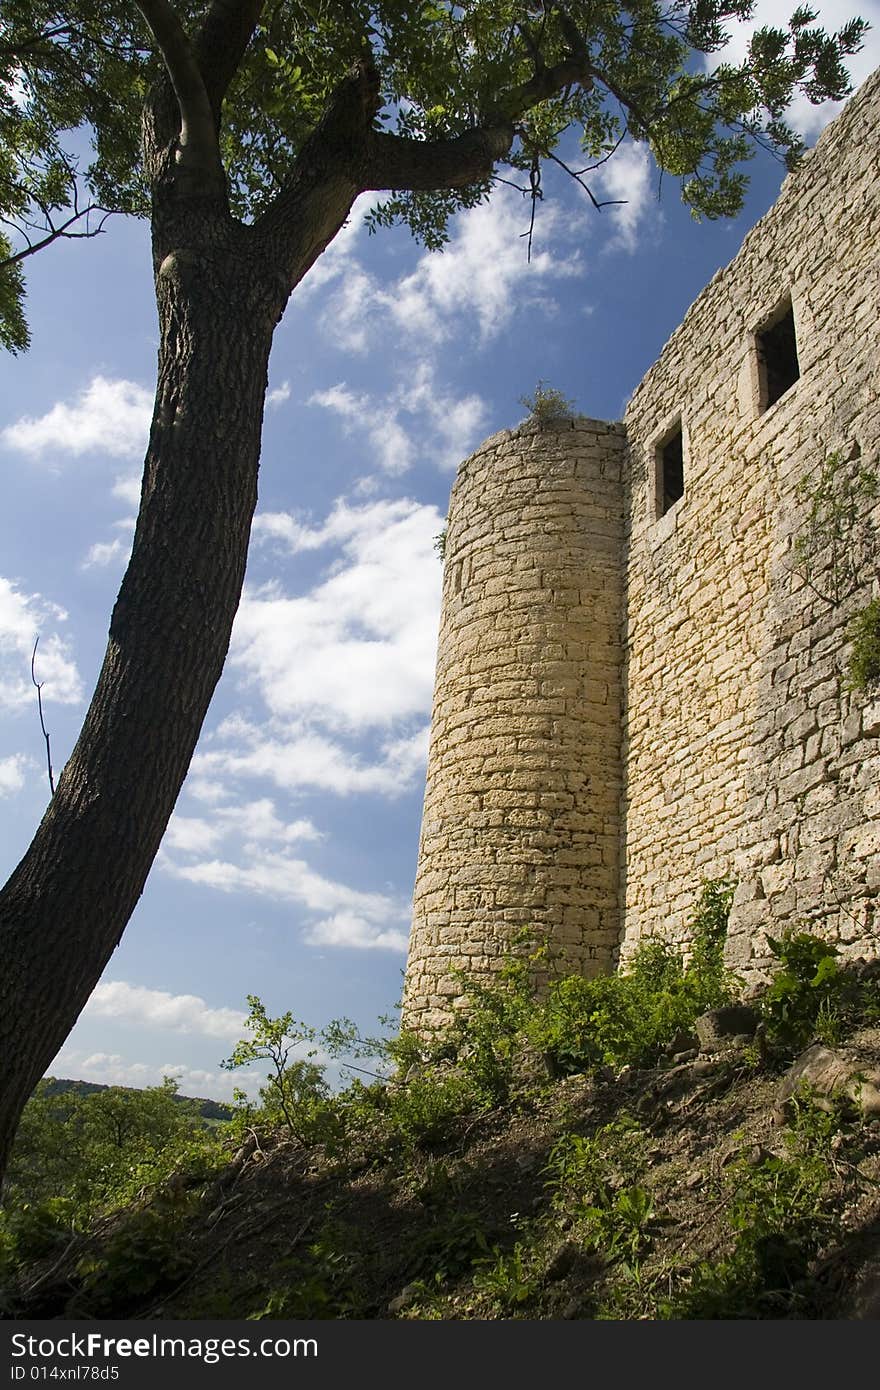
column 635, row 693
column 743, row 751
column 521, row 819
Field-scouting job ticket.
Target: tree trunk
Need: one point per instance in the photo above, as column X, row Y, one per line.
column 64, row 909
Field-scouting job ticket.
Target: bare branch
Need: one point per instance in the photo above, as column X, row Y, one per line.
column 537, row 195
column 39, row 685
column 496, row 178
column 55, row 233
column 608, row 203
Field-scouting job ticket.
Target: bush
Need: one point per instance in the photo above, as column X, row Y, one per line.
column 809, row 995
column 863, row 667
column 422, row 1110
column 97, row 1151
column 547, row 406
column 781, row 1210
column 632, row 1017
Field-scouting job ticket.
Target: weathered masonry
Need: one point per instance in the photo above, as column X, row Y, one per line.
column 636, row 687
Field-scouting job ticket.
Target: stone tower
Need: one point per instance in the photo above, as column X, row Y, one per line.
column 637, row 688
column 521, row 814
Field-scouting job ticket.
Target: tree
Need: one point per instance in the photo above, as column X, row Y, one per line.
column 98, row 1149
column 246, row 129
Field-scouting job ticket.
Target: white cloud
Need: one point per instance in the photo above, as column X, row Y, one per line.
column 627, row 177
column 22, row 618
column 393, row 446
column 109, row 416
column 482, row 274
column 278, row 395
column 358, row 650
column 12, row 770
column 445, row 426
column 452, row 424
column 258, row 861
column 280, row 877
column 352, row 316
column 346, row 929
column 154, row 1008
column 311, row 760
column 104, row 553
column 111, row 1069
column 484, row 271
column 127, row 487
column 344, row 673
column 254, row 822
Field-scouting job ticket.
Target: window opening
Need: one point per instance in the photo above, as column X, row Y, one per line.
column 778, row 366
column 670, row 471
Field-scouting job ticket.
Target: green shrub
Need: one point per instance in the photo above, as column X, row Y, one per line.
column 143, row 1257
column 507, row 1278
column 630, row 1018
column 709, row 933
column 422, row 1109
column 322, row 1284
column 863, row 667
column 596, row 1183
column 98, row 1151
column 838, row 543
column 547, row 406
column 36, row 1229
column 781, row 1210
column 809, row 992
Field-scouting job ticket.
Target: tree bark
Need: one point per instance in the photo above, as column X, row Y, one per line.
column 64, row 909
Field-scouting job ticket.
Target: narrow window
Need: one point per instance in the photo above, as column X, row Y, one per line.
column 778, row 366
column 670, row 470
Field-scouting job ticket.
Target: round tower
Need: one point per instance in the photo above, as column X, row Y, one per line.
column 521, row 820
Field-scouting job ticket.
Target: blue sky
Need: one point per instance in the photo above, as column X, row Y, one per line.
column 288, row 866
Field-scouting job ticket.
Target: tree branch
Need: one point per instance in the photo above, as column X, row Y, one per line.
column 55, row 232
column 421, row 165
column 573, row 173
column 327, row 176
column 199, row 151
column 39, row 686
column 221, row 43
column 543, row 84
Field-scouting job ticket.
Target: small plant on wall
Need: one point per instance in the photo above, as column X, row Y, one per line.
column 838, row 544
column 836, row 553
column 547, row 406
column 863, row 667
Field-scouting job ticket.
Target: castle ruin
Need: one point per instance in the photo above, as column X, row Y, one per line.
column 637, row 688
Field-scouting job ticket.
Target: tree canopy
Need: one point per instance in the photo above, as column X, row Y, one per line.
column 450, row 93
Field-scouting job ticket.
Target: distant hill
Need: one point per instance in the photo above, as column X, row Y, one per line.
column 208, row 1109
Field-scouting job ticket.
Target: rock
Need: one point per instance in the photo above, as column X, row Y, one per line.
column 733, row 1025
column 829, row 1072
column 534, row 1066
column 705, row 1066
column 405, row 1299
